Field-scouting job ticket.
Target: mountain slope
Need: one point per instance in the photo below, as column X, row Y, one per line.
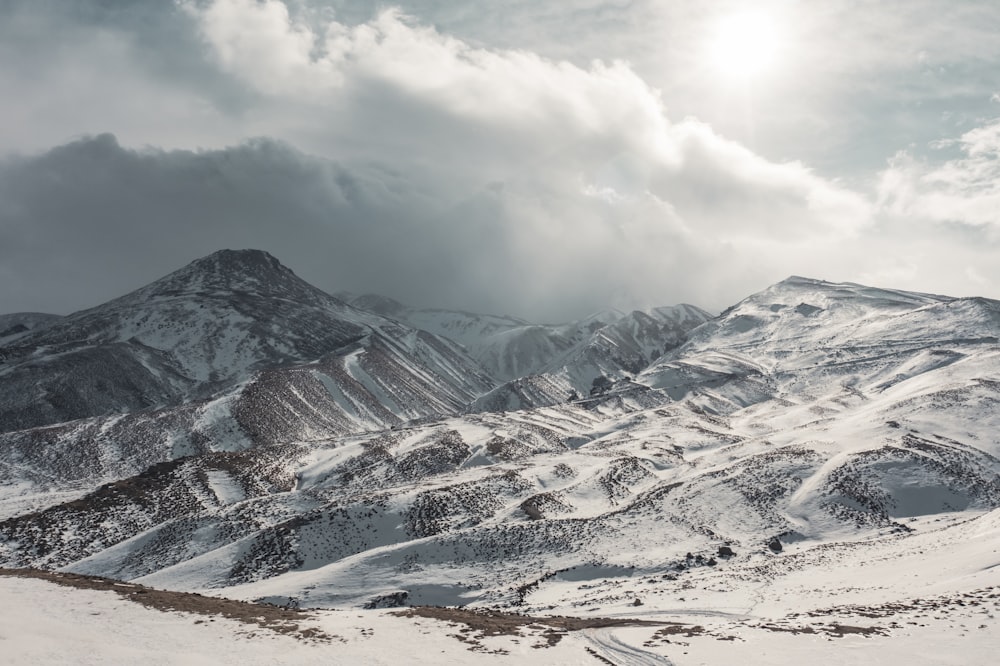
column 182, row 337
column 596, row 355
column 814, row 436
column 18, row 324
column 801, row 332
column 230, row 352
column 204, row 328
column 507, row 347
column 545, row 364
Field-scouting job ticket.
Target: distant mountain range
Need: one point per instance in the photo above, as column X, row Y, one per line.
column 540, row 364
column 231, row 429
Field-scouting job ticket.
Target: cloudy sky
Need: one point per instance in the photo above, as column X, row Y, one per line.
column 540, row 159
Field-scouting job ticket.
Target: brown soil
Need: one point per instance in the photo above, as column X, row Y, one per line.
column 274, row 618
column 497, row 623
column 834, row 629
column 674, row 629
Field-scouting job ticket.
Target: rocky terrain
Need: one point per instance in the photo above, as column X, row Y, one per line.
column 819, row 450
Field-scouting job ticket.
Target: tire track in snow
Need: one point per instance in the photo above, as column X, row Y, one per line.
column 607, row 646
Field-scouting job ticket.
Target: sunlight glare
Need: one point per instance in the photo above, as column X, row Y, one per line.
column 744, row 45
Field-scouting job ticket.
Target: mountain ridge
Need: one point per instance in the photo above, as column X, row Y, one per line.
column 812, row 436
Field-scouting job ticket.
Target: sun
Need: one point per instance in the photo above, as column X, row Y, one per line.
column 744, row 45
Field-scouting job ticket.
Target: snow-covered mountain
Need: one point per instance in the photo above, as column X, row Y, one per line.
column 599, row 353
column 235, row 351
column 545, row 364
column 229, row 352
column 507, row 347
column 209, row 326
column 817, row 448
column 802, row 336
column 469, row 329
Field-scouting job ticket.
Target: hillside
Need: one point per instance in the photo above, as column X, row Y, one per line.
column 819, row 450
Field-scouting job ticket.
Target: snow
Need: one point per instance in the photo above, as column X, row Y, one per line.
column 227, row 490
column 338, row 395
column 18, row 498
column 45, row 624
column 18, row 324
column 41, row 623
column 352, row 363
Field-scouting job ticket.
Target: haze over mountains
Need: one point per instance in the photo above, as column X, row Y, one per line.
column 230, row 429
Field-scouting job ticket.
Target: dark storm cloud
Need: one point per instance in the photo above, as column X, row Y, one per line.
column 139, row 67
column 86, row 221
column 83, row 222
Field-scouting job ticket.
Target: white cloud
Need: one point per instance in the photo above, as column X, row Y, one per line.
column 520, row 110
column 963, row 191
column 729, row 188
column 512, row 147
column 260, row 43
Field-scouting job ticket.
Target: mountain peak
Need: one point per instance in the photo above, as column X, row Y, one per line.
column 238, row 261
column 237, row 271
column 795, row 287
column 799, row 280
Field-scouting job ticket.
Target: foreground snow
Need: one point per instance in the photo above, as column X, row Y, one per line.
column 43, row 623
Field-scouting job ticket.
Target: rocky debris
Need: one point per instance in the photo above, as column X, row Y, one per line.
column 391, row 600
column 496, row 623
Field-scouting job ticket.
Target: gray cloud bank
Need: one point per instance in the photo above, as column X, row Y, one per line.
column 84, row 221
column 406, row 161
column 88, row 220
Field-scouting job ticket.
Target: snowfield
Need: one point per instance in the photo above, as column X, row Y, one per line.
column 45, row 623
